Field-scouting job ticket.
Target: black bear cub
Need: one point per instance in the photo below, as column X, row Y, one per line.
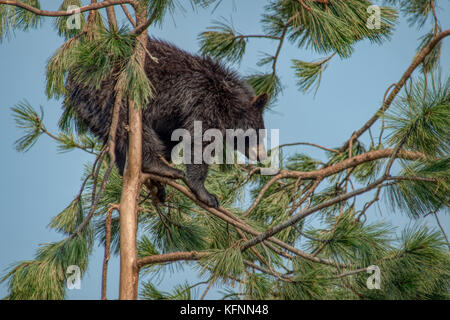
column 188, row 88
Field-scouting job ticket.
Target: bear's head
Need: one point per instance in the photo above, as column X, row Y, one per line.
column 250, row 134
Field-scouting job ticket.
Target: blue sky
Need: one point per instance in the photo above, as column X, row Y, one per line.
column 37, row 185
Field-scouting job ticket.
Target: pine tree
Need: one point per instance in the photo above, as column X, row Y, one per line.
column 270, row 248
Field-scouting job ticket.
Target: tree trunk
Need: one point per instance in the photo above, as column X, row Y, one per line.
column 129, row 271
column 129, row 208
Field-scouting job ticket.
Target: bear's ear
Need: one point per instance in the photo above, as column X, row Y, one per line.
column 260, row 101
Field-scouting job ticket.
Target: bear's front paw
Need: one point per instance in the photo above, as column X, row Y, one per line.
column 210, row 200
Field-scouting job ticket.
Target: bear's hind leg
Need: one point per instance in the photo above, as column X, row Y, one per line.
column 196, row 176
column 153, row 150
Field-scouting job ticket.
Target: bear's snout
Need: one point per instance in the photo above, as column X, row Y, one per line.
column 257, row 153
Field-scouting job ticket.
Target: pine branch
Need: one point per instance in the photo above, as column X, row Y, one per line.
column 171, row 257
column 228, row 217
column 322, row 173
column 280, row 44
column 418, row 59
column 334, row 169
column 62, row 13
column 302, row 215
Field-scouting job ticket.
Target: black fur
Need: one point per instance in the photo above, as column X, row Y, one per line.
column 188, row 88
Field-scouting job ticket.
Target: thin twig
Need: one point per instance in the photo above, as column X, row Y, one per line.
column 128, row 14
column 307, row 144
column 112, row 207
column 442, row 229
column 207, row 289
column 264, row 36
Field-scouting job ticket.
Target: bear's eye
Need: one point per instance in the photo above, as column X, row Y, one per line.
column 260, row 101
